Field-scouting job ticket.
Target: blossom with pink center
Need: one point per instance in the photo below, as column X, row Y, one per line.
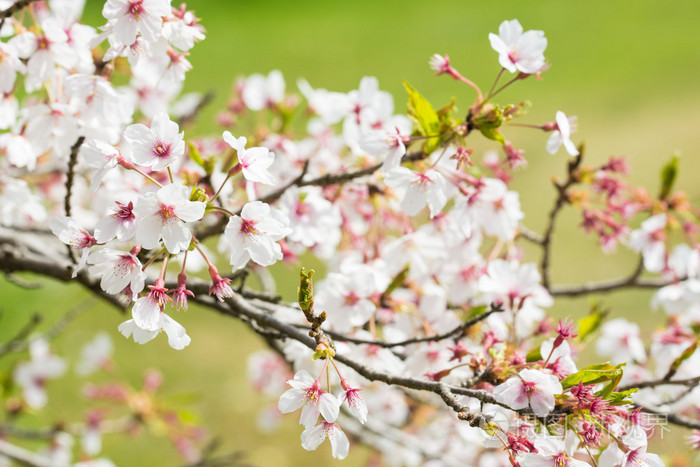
column 44, row 50
column 531, row 388
column 118, row 270
column 550, row 452
column 32, row 376
column 146, row 311
column 421, row 189
column 356, row 405
column 131, row 17
column 387, row 144
column 253, row 162
column 163, row 215
column 312, row 438
column 263, row 91
column 158, row 146
column 306, row 393
column 70, row 233
column 254, row 234
column 518, row 50
column 119, row 224
column 562, row 135
column 650, row 240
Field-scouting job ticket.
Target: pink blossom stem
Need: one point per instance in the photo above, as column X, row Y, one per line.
column 162, row 268
column 470, row 83
column 184, row 262
column 342, row 380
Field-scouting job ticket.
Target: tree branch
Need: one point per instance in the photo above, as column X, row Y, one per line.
column 561, row 200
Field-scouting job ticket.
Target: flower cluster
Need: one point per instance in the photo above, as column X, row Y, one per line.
column 427, row 288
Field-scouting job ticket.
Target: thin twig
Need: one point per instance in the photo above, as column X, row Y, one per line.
column 456, row 333
column 561, row 200
column 70, row 175
column 16, row 7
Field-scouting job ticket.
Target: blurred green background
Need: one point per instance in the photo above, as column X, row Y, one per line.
column 628, row 70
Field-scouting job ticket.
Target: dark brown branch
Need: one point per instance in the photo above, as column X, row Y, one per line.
column 632, row 281
column 562, row 199
column 192, row 115
column 16, row 7
column 676, row 419
column 456, row 333
column 70, row 176
column 19, row 342
column 692, row 382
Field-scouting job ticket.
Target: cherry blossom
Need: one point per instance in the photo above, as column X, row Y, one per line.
column 531, row 388
column 163, row 215
column 253, row 162
column 562, row 135
column 32, row 376
column 650, row 240
column 421, row 189
column 312, row 438
column 518, row 50
column 177, row 335
column 307, row 394
column 118, row 270
column 158, row 146
column 70, row 233
column 131, row 17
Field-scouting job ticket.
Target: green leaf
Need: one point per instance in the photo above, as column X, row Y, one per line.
column 593, row 374
column 589, row 324
column 477, row 310
column 668, row 176
column 397, row 281
column 492, row 133
column 685, row 355
column 195, row 155
column 621, row 398
column 306, row 290
column 424, row 116
column 533, row 355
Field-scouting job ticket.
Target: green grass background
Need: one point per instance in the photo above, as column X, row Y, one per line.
column 628, row 70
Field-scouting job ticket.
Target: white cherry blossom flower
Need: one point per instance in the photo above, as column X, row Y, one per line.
column 518, row 50
column 131, row 17
column 118, row 270
column 530, row 388
column 99, row 155
column 262, row 91
column 312, row 438
column 306, row 393
column 163, row 215
column 253, row 162
column 31, row 376
column 177, row 335
column 421, row 189
column 620, row 341
column 95, row 354
column 254, row 235
column 158, row 146
column 562, row 135
column 650, row 240
column 120, row 223
column 70, row 233
column 43, row 50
